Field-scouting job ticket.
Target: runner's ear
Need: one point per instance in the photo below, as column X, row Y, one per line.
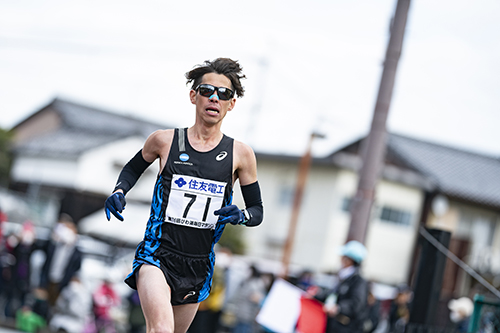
column 192, row 96
column 231, row 106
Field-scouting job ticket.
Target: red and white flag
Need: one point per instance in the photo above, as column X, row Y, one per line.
column 288, row 309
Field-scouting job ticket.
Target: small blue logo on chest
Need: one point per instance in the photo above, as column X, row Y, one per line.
column 184, row 157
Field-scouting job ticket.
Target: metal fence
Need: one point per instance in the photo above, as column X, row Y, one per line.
column 486, row 316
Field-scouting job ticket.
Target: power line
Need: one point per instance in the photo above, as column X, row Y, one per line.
column 441, row 248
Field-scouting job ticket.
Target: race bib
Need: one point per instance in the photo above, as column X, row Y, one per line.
column 192, row 201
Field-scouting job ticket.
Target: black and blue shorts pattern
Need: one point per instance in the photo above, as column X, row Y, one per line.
column 188, row 276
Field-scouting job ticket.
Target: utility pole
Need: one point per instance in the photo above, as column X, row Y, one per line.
column 305, row 163
column 373, row 149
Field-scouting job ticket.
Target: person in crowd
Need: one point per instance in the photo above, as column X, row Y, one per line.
column 22, row 268
column 72, row 310
column 63, row 258
column 3, row 218
column 248, row 301
column 136, row 321
column 29, row 321
column 346, row 306
column 40, row 301
column 192, row 201
column 2, row 255
column 372, row 317
column 104, row 299
column 305, row 280
column 399, row 312
column 209, row 311
column 460, row 311
column 15, row 265
column 7, row 267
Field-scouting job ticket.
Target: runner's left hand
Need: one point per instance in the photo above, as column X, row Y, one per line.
column 230, row 214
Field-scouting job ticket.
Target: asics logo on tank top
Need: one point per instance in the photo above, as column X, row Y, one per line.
column 222, row 155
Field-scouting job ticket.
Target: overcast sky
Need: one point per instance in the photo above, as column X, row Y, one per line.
column 310, row 66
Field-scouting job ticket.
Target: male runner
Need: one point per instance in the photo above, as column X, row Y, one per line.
column 191, row 205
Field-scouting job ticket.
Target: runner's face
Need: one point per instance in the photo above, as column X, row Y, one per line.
column 212, row 109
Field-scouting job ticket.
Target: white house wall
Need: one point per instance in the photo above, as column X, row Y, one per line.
column 42, row 170
column 336, row 233
column 323, row 225
column 314, row 219
column 267, row 240
column 98, row 169
column 391, row 245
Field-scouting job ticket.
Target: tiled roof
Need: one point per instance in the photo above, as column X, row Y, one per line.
column 458, row 173
column 84, row 128
column 65, row 142
column 92, row 120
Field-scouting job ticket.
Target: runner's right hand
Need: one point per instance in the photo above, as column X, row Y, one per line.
column 115, row 204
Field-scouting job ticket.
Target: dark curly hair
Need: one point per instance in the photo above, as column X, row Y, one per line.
column 225, row 66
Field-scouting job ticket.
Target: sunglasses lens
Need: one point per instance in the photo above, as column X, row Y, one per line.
column 206, row 90
column 225, row 94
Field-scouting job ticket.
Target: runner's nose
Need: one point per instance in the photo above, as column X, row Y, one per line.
column 214, row 96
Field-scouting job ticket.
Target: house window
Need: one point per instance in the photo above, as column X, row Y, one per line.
column 394, row 215
column 346, row 204
column 286, row 195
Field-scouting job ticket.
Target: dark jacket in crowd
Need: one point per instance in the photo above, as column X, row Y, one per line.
column 352, row 296
column 73, row 266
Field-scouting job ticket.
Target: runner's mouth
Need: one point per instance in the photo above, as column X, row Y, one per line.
column 212, row 110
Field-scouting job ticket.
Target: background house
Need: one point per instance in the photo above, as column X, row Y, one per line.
column 422, row 184
column 324, row 218
column 68, row 156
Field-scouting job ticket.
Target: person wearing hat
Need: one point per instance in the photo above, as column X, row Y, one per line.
column 347, row 305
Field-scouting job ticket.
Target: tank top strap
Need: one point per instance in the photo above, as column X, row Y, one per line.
column 181, row 139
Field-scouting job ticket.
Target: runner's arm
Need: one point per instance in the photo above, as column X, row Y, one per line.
column 250, row 189
column 132, row 171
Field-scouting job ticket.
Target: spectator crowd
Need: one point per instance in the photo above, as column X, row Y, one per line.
column 53, row 296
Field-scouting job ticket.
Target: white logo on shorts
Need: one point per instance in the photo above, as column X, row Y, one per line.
column 189, row 294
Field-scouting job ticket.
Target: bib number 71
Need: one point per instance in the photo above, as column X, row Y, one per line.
column 191, row 202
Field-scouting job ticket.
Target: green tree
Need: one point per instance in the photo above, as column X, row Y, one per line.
column 5, row 156
column 232, row 238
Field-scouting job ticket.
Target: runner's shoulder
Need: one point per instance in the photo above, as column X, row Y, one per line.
column 158, row 144
column 243, row 152
column 162, row 137
column 242, row 148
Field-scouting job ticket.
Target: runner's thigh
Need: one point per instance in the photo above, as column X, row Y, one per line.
column 154, row 294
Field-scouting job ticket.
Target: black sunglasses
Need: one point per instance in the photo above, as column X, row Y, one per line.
column 208, row 90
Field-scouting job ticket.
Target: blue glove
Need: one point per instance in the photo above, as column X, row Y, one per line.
column 115, row 204
column 230, row 214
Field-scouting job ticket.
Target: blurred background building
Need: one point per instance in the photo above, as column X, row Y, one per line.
column 67, row 156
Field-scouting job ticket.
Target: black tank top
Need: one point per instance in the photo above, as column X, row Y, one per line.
column 191, row 186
